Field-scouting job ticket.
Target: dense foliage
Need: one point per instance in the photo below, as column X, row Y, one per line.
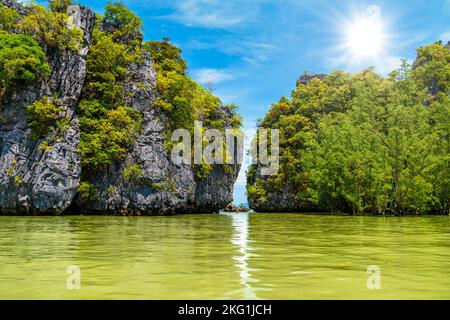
column 8, row 18
column 108, row 127
column 362, row 143
column 183, row 100
column 87, row 192
column 125, row 25
column 21, row 61
column 52, row 29
column 60, row 5
column 44, row 116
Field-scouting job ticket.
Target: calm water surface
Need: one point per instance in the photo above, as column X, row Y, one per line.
column 227, row 256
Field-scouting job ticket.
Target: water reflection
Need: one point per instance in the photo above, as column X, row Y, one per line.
column 241, row 240
column 232, row 256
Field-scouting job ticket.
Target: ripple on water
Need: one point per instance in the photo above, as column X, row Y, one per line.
column 232, row 256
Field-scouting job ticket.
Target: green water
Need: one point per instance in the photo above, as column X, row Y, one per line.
column 235, row 256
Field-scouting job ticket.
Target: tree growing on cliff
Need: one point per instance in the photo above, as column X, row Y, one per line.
column 108, row 128
column 124, row 25
column 44, row 116
column 183, row 100
column 60, row 5
column 8, row 18
column 51, row 29
column 22, row 61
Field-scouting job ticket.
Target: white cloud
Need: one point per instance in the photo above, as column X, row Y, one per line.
column 253, row 52
column 212, row 76
column 214, row 13
column 250, row 51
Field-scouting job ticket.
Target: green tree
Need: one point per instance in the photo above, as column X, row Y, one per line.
column 362, row 143
column 43, row 116
column 51, row 29
column 8, row 18
column 107, row 65
column 22, row 61
column 125, row 26
column 60, row 5
column 108, row 128
column 108, row 138
column 166, row 56
column 87, row 192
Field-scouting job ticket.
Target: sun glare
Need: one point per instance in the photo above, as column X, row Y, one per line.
column 364, row 36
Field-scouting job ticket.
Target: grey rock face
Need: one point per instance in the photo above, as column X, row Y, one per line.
column 283, row 200
column 306, row 79
column 38, row 180
column 33, row 180
column 277, row 201
column 14, row 5
column 162, row 187
column 216, row 191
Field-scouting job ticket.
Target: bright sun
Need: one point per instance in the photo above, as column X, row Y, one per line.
column 365, row 37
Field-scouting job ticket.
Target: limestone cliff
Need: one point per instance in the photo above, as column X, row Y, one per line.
column 48, row 180
column 38, row 180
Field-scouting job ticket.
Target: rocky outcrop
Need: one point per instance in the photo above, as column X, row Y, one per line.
column 216, row 191
column 277, row 200
column 34, row 180
column 236, row 209
column 306, row 78
column 282, row 200
column 14, row 5
column 162, row 186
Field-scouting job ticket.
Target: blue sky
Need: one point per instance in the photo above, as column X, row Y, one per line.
column 253, row 51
